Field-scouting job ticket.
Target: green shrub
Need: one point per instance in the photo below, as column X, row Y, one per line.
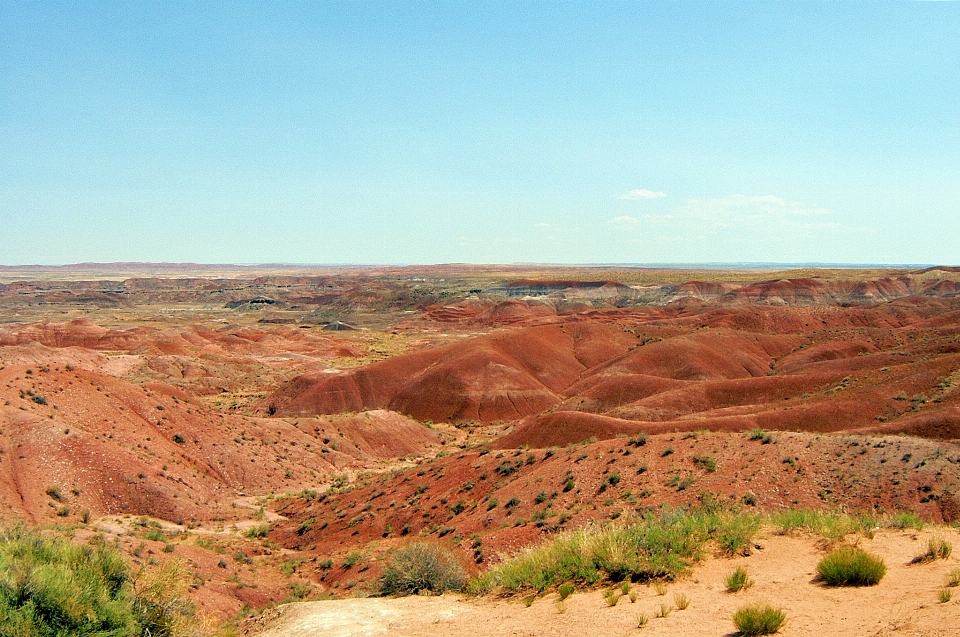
column 758, row 619
column 851, row 566
column 52, row 587
column 422, row 567
column 738, row 580
column 566, row 590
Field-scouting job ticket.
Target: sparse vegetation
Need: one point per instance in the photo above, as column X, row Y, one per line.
column 422, row 567
column 832, row 526
column 657, row 546
column 851, row 566
column 681, row 601
column 759, row 619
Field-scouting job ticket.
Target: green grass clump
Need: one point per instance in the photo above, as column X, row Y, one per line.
column 758, row 620
column 851, row 566
column 52, row 587
column 422, row 567
column 566, row 590
column 944, row 595
column 611, row 597
column 738, row 580
column 657, row 546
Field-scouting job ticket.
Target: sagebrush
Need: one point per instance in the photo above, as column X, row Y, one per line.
column 422, row 567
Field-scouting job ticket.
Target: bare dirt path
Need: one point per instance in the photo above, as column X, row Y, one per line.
column 904, row 603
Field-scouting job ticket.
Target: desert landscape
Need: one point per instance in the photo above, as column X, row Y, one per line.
column 279, row 434
column 520, row 318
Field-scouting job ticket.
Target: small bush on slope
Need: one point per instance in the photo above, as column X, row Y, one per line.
column 422, row 567
column 850, row 566
column 51, row 587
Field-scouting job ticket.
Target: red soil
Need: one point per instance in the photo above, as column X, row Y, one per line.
column 110, row 446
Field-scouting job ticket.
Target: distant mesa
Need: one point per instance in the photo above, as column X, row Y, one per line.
column 250, row 304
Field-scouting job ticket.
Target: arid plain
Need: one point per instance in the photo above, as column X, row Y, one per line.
column 280, row 431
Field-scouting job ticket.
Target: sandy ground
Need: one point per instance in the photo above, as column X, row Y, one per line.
column 904, row 603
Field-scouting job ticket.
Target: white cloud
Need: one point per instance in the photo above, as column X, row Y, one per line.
column 642, row 193
column 625, row 220
column 756, row 212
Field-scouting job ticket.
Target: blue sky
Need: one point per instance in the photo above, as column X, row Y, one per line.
column 557, row 132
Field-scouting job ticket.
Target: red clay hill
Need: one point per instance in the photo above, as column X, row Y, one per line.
column 891, row 367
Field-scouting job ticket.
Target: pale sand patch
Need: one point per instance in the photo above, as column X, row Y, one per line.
column 904, row 603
